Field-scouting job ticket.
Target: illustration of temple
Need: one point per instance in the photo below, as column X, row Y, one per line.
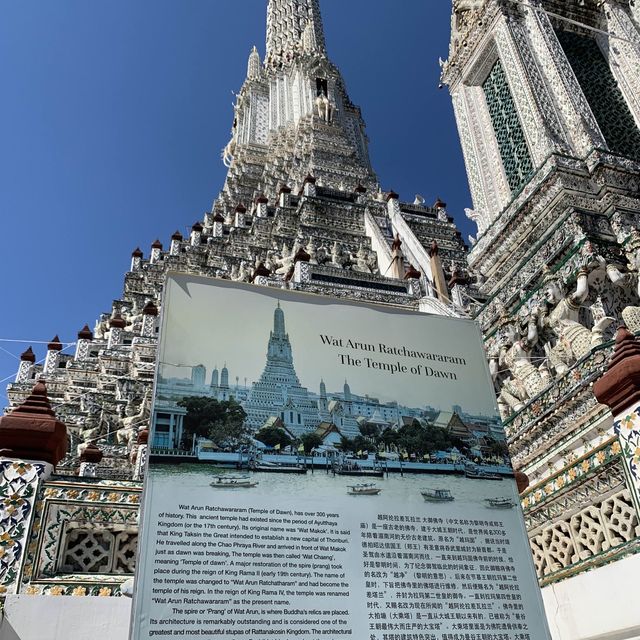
column 278, row 392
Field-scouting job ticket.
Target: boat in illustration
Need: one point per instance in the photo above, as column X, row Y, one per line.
column 476, row 473
column 354, row 469
column 367, row 489
column 274, row 467
column 437, row 495
column 500, row 503
column 233, row 482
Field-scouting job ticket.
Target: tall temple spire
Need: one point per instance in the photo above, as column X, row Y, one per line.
column 293, row 26
column 278, row 322
column 292, row 114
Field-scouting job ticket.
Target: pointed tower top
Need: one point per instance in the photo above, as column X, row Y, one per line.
column 253, row 66
column 55, row 344
column 293, row 26
column 278, row 321
column 28, row 355
column 85, row 333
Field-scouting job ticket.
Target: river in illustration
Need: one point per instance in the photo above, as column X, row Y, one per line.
column 321, row 486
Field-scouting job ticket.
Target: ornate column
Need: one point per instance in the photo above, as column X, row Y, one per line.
column 136, row 259
column 27, row 360
column 309, row 186
column 487, row 179
column 218, row 226
column 176, row 239
column 32, row 442
column 149, row 314
column 53, row 357
column 261, row 206
column 90, row 458
column 284, row 195
column 413, row 277
column 240, row 214
column 196, row 233
column 570, row 122
column 619, row 389
column 116, row 326
column 85, row 336
column 156, row 251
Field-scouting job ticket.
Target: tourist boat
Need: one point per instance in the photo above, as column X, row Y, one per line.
column 437, row 495
column 476, row 473
column 354, row 469
column 500, row 503
column 233, row 482
column 272, row 467
column 364, row 490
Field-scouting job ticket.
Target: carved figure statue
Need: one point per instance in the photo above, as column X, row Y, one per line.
column 338, row 259
column 229, row 151
column 372, row 261
column 322, row 255
column 244, row 273
column 136, row 416
column 101, row 329
column 133, row 320
column 460, row 10
column 271, row 260
column 324, row 107
column 560, row 316
column 360, row 262
column 311, row 250
column 513, row 354
column 619, row 227
column 285, row 262
column 91, row 427
column 396, row 268
column 297, row 245
column 629, row 282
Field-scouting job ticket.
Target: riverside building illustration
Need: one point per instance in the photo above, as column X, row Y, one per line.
column 276, row 395
column 545, row 95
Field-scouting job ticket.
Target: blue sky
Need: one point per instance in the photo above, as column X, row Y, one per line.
column 112, row 119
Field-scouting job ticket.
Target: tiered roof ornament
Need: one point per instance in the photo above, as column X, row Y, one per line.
column 619, row 387
column 32, row 431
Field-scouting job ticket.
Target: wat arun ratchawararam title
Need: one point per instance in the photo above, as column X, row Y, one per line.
column 350, row 360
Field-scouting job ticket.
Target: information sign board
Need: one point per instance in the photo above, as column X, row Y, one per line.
column 322, row 469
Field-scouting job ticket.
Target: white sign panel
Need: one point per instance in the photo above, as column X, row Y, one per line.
column 327, row 469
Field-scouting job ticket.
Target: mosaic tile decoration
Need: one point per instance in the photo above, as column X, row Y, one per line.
column 627, row 428
column 19, row 487
column 509, row 133
column 602, row 93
